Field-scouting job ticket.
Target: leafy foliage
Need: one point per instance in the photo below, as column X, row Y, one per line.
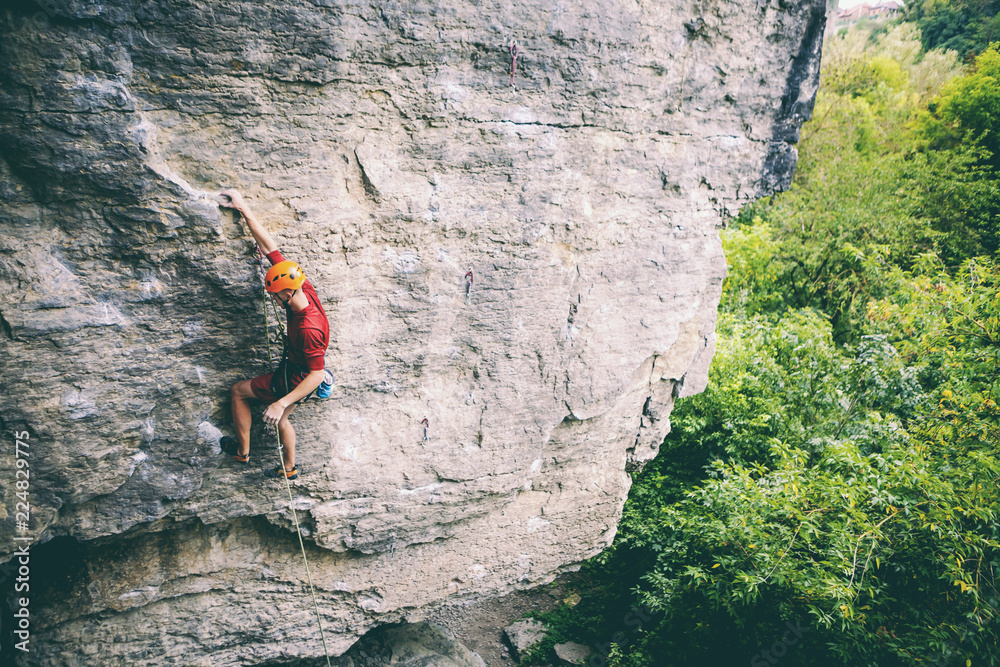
column 965, row 26
column 967, row 112
column 869, row 527
column 833, row 497
column 951, row 323
column 872, row 190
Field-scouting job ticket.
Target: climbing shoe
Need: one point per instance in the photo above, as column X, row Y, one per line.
column 278, row 472
column 231, row 446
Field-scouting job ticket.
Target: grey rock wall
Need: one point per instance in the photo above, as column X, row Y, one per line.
column 385, row 147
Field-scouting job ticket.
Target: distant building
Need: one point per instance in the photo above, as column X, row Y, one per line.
column 887, row 9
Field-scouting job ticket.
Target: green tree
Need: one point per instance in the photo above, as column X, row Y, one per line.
column 872, row 517
column 963, row 124
column 871, row 192
column 964, row 26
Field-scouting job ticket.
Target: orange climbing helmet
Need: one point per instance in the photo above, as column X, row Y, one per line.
column 284, row 275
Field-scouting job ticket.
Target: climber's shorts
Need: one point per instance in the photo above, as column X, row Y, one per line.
column 270, row 387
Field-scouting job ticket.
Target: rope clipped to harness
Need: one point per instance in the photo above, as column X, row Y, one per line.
column 281, row 461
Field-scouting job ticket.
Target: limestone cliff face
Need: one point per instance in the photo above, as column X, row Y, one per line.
column 390, row 151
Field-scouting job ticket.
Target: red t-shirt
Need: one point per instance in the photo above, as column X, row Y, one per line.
column 308, row 329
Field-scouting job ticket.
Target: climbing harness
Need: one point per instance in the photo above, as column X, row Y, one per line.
column 281, row 460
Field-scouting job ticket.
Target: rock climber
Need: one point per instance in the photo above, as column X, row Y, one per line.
column 302, row 365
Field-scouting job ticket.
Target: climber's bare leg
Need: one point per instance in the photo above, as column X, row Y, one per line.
column 287, row 434
column 240, row 402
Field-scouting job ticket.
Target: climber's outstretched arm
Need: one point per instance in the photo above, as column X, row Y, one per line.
column 260, row 235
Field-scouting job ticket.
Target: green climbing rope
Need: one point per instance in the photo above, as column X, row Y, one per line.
column 288, row 484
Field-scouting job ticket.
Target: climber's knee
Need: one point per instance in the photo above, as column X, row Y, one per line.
column 242, row 389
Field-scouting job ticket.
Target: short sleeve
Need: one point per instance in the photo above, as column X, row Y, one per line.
column 275, row 256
